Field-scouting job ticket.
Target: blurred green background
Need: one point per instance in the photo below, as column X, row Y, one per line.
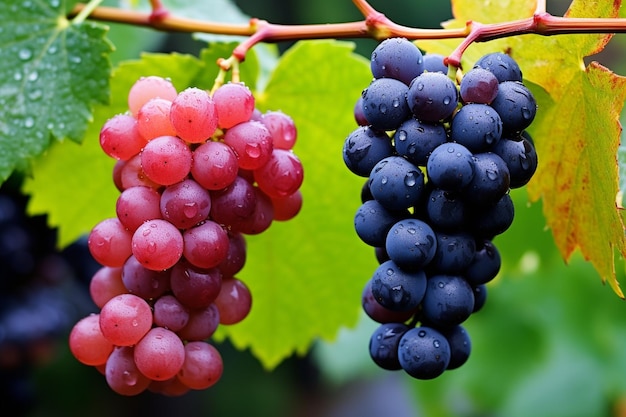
column 550, row 342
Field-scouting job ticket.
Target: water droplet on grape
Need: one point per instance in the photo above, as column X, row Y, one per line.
column 441, row 284
column 421, row 333
column 524, row 162
column 401, row 135
column 492, row 174
column 410, row 179
column 526, row 114
column 436, row 343
column 390, row 271
column 420, row 86
column 253, row 150
column 134, row 323
column 152, row 247
column 395, row 103
column 384, row 180
column 130, row 378
column 446, row 100
column 190, row 210
column 383, row 109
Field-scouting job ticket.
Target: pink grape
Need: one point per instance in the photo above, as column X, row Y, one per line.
column 286, row 208
column 117, row 174
column 251, row 142
column 193, row 115
column 236, row 257
column 87, row 343
column 170, row 313
column 120, row 137
column 234, row 103
column 281, row 176
column 205, row 245
column 145, row 283
column 234, row 301
column 160, row 354
column 157, row 244
column 185, row 204
column 105, row 284
column 153, row 119
column 234, row 203
column 147, row 88
column 166, row 160
column 122, row 374
column 125, row 319
column 201, row 325
column 110, row 243
column 194, row 287
column 203, row 365
column 172, row 387
column 137, row 204
column 214, row 165
column 282, row 128
column 132, row 175
column 260, row 219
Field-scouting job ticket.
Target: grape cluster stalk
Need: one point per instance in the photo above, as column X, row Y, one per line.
column 197, row 171
column 440, row 157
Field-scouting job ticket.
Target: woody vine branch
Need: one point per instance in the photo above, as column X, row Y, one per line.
column 374, row 25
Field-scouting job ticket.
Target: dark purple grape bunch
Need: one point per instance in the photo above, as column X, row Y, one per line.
column 440, row 159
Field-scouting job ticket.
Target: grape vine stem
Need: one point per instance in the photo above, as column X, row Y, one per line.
column 375, row 25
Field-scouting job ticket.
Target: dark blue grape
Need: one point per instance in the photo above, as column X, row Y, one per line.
column 396, row 183
column 455, row 252
column 485, row 265
column 432, row 97
column 365, row 147
column 520, row 157
column 381, row 254
column 384, row 344
column 434, row 63
column 411, row 244
column 366, row 194
column 516, row 106
column 478, row 85
column 445, row 210
column 397, row 58
column 480, row 296
column 396, row 289
column 384, row 103
column 424, row 353
column 415, row 140
column 359, row 116
column 448, row 301
column 379, row 313
column 490, row 182
column 372, row 222
column 476, row 126
column 460, row 346
column 501, row 65
column 490, row 221
column 450, row 166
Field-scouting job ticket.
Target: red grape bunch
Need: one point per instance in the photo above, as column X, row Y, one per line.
column 196, row 173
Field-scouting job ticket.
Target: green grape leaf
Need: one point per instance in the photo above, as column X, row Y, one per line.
column 306, row 275
column 577, row 145
column 52, row 71
column 73, row 183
